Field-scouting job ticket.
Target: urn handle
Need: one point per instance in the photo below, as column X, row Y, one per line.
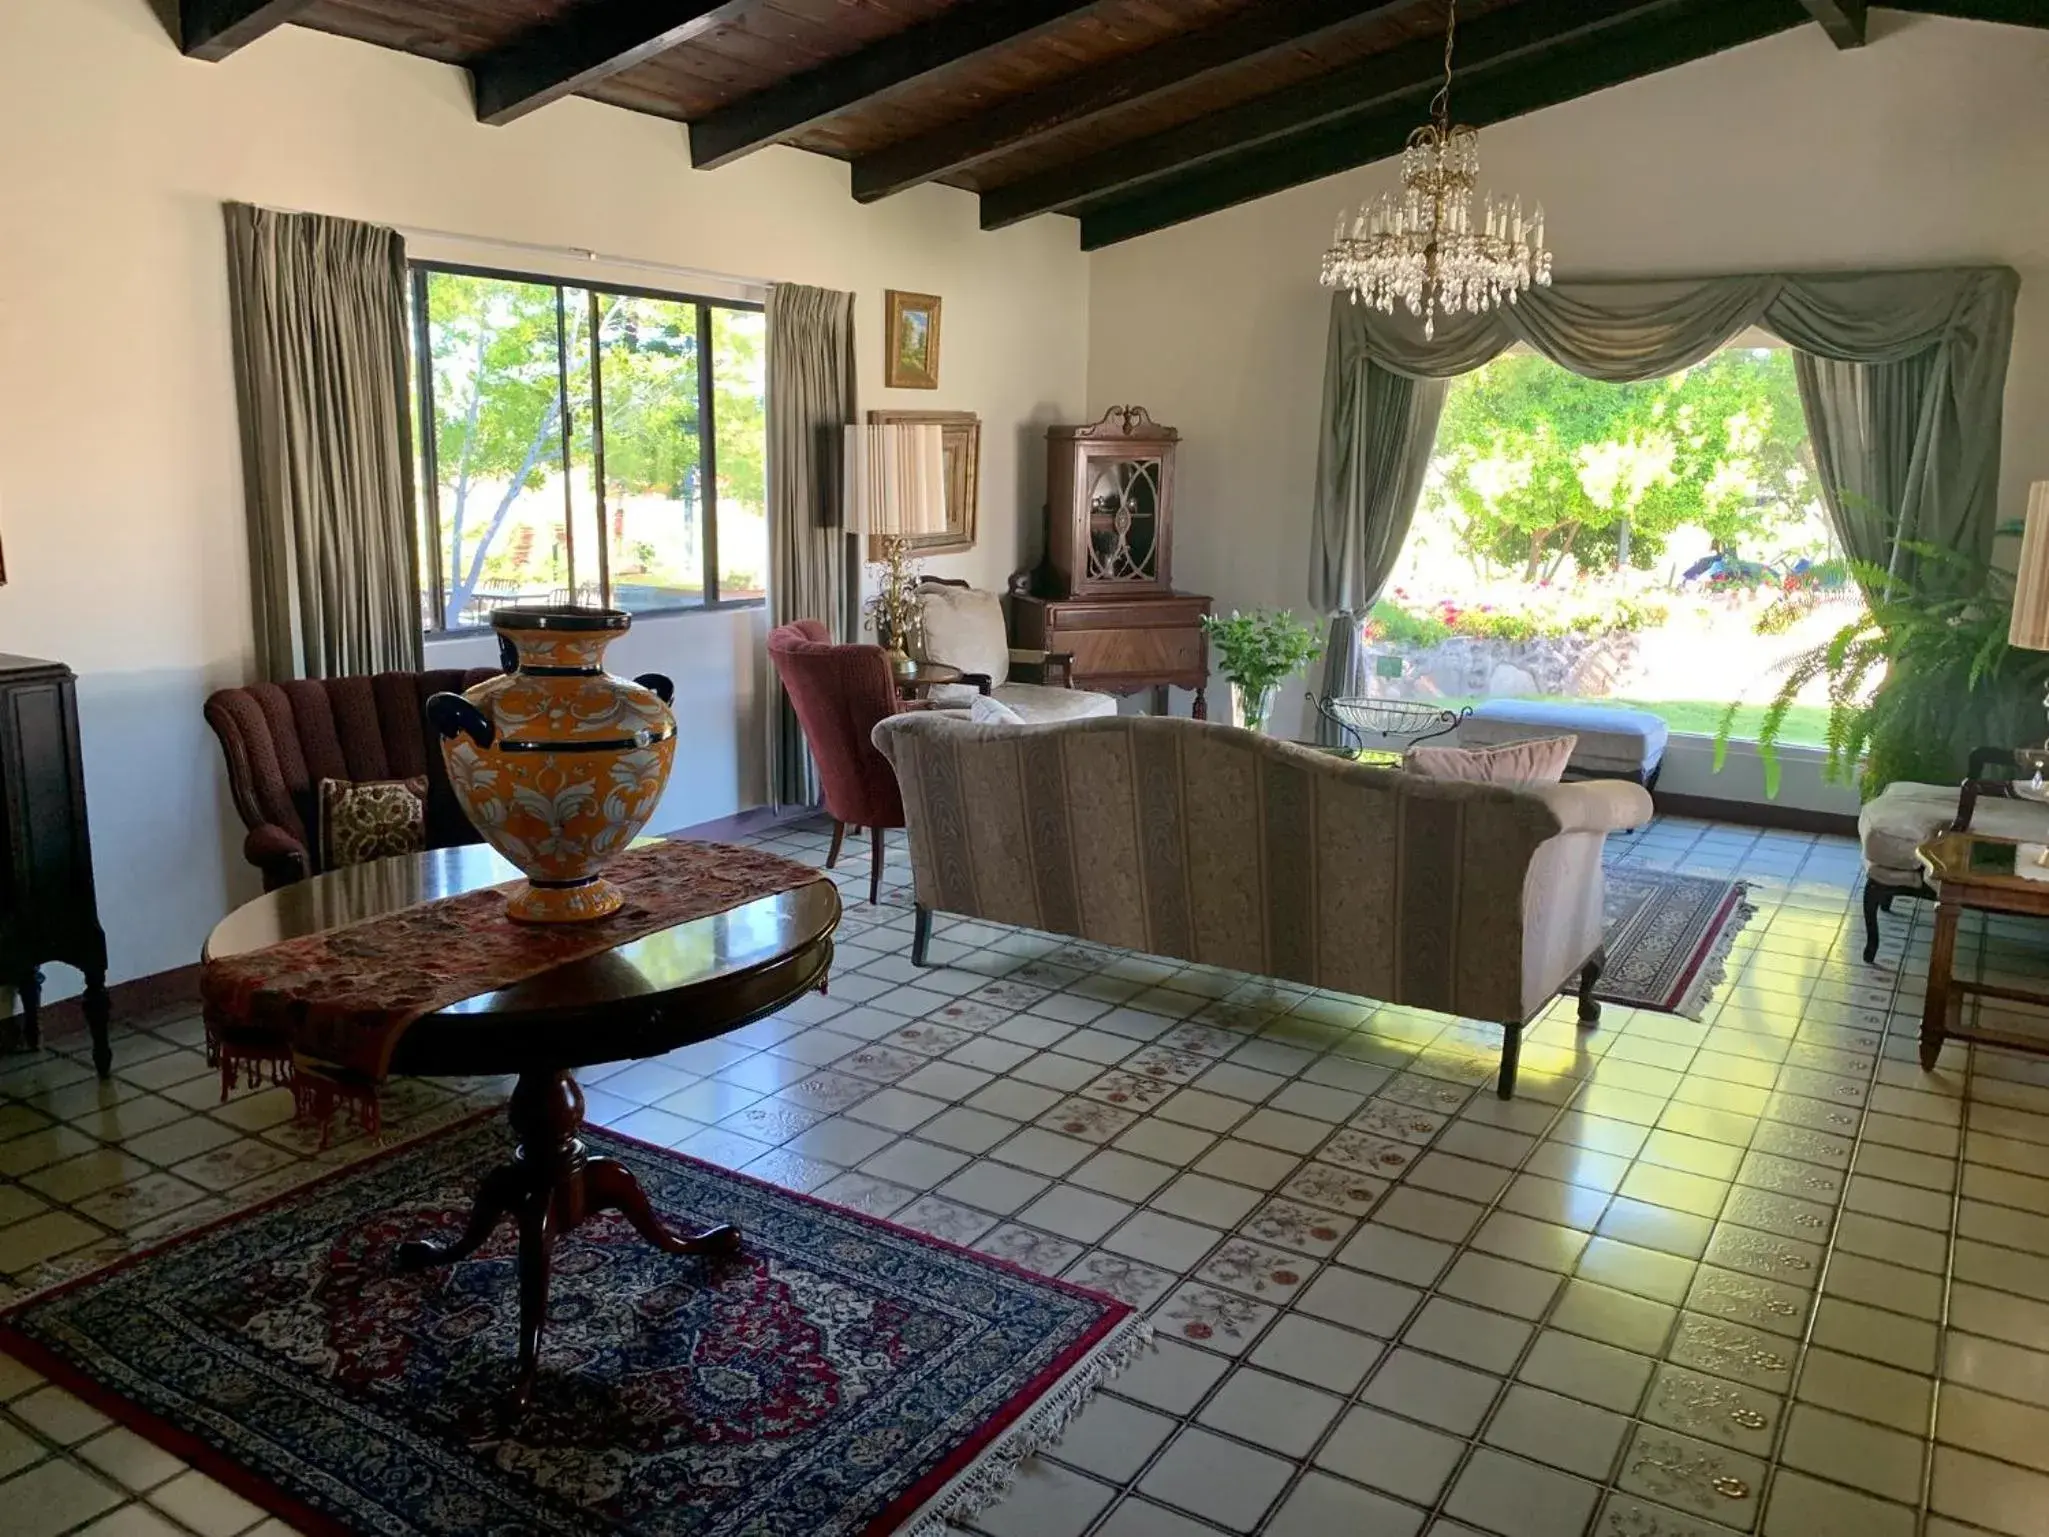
column 659, row 684
column 452, row 716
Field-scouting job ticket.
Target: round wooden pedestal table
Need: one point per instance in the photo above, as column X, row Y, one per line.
column 647, row 996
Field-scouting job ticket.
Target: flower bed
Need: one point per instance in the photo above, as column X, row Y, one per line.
column 1575, row 646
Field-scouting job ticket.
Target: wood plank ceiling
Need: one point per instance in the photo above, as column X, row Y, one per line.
column 1133, row 115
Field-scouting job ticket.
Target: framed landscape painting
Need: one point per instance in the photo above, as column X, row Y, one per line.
column 961, row 438
column 913, row 332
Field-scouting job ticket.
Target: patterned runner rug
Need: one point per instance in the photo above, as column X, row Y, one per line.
column 841, row 1376
column 1668, row 938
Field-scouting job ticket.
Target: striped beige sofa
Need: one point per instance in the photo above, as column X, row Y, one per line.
column 1207, row 844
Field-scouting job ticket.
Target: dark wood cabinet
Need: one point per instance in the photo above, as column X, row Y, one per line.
column 1105, row 593
column 48, row 911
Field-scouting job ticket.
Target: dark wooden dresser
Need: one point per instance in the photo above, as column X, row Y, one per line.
column 1104, row 594
column 47, row 908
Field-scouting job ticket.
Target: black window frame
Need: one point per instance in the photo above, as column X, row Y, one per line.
column 707, row 431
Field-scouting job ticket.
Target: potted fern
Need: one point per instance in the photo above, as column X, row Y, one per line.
column 1256, row 651
column 1920, row 678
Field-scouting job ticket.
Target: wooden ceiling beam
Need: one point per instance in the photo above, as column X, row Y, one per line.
column 562, row 57
column 789, row 107
column 213, row 29
column 1843, row 20
column 1260, row 30
column 1403, row 77
column 1591, row 63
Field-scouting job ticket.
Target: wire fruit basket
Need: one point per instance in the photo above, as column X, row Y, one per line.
column 1360, row 717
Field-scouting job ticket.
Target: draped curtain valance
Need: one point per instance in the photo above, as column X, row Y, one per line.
column 1906, row 422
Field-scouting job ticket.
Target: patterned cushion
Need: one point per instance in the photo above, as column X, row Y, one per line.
column 371, row 819
column 964, row 628
column 1541, row 761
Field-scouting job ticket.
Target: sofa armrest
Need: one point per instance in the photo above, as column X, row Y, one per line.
column 1596, row 805
column 280, row 856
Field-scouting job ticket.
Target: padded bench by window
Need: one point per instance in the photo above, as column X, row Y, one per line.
column 1614, row 743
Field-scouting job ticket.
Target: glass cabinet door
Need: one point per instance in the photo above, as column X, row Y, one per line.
column 1124, row 519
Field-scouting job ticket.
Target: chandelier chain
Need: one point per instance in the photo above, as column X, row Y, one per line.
column 1440, row 104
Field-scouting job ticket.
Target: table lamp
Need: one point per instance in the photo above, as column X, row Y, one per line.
column 2029, row 627
column 896, row 490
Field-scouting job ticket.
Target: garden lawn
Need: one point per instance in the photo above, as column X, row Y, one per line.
column 1806, row 725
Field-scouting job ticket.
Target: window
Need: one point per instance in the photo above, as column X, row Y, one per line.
column 1659, row 545
column 589, row 445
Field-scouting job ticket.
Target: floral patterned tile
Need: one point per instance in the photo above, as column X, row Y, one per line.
column 828, row 1091
column 928, row 1036
column 880, row 1063
column 969, row 1015
column 1010, row 993
column 945, row 1220
column 1167, row 1065
column 1213, row 1318
column 1420, row 1093
column 1302, row 1228
column 1117, row 1275
column 1208, row 1040
column 223, row 1168
column 1133, row 1090
column 1241, row 1265
column 127, row 1206
column 1088, row 1119
column 865, row 1193
column 1404, row 1123
column 1044, row 1253
column 793, row 1171
column 1334, row 1188
column 769, row 1121
column 1368, row 1154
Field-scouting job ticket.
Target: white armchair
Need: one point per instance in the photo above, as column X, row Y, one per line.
column 963, row 627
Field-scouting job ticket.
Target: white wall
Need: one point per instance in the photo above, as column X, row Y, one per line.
column 1929, row 146
column 120, row 489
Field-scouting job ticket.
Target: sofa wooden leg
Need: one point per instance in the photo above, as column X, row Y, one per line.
column 875, row 868
column 839, row 836
column 1511, row 1053
column 1589, row 978
column 921, row 935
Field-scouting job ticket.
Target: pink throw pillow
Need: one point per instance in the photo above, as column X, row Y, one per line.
column 1541, row 761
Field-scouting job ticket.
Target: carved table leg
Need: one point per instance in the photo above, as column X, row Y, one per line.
column 97, row 1010
column 1200, row 709
column 549, row 1187
column 31, row 990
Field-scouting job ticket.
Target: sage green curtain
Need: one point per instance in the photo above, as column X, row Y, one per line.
column 319, row 314
column 1933, row 347
column 1874, row 428
column 1368, row 480
column 810, row 399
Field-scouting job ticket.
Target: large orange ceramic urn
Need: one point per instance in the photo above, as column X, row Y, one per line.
column 557, row 763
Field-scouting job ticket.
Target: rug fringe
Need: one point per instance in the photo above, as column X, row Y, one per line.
column 990, row 1477
column 1714, row 967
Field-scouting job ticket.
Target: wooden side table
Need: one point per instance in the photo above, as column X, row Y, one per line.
column 1992, row 875
column 925, row 676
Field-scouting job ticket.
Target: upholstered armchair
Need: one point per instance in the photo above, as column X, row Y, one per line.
column 963, row 627
column 281, row 739
column 839, row 693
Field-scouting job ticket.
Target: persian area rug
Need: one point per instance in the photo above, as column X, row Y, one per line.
column 1669, row 938
column 839, row 1377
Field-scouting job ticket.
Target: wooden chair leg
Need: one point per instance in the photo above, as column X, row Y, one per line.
column 839, row 836
column 921, row 936
column 1511, row 1055
column 875, row 869
column 1589, row 979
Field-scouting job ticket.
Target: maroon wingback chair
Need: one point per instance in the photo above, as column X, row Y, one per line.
column 282, row 739
column 839, row 693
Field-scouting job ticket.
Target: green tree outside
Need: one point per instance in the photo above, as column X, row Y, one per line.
column 1537, row 466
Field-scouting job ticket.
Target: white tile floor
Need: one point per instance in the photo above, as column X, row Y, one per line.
column 1757, row 1273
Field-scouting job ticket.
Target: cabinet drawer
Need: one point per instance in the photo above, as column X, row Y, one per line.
column 1163, row 653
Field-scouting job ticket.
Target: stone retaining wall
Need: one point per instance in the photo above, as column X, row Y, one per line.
column 1586, row 666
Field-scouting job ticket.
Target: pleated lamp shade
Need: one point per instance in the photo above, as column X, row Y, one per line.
column 2029, row 629
column 896, row 479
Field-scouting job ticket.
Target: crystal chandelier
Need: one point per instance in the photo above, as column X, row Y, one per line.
column 1421, row 245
